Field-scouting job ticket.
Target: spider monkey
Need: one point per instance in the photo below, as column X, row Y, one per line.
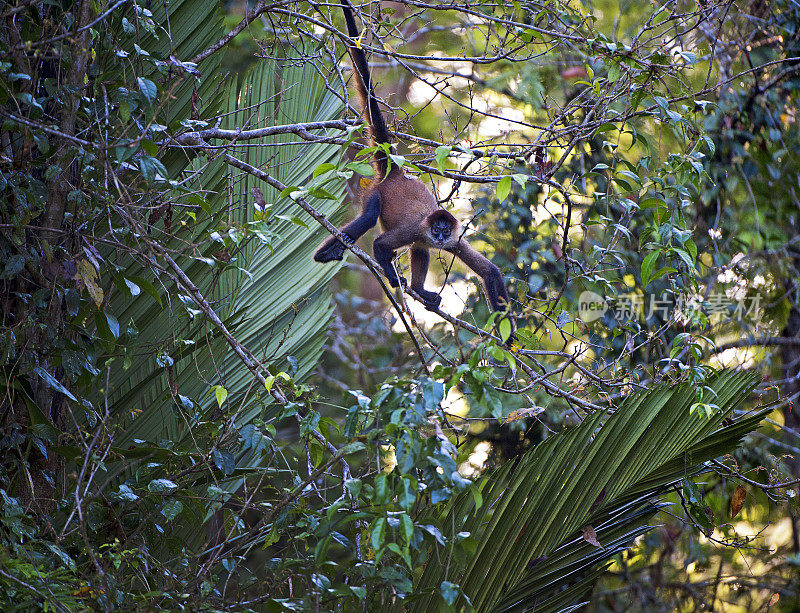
column 408, row 212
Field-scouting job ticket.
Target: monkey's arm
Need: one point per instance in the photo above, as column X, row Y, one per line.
column 420, row 258
column 333, row 249
column 492, row 279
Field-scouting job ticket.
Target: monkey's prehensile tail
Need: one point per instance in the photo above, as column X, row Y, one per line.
column 379, row 133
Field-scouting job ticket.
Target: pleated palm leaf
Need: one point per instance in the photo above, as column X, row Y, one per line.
column 273, row 297
column 608, row 473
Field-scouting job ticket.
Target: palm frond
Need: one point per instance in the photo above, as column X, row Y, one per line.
column 273, row 297
column 607, row 473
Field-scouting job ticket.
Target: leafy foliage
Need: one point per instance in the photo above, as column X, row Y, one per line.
column 536, row 517
column 165, row 442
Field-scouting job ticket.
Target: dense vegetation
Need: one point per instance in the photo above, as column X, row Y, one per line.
column 197, row 416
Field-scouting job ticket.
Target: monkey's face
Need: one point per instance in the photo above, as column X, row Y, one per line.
column 441, row 232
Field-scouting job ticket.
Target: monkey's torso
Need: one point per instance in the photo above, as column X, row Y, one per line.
column 405, row 201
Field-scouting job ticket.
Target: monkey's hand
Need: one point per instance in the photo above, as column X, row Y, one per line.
column 396, row 280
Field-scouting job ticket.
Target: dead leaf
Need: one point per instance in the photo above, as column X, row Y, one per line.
column 173, row 386
column 521, row 413
column 774, row 599
column 87, row 275
column 590, row 537
column 573, row 72
column 223, row 255
column 737, row 500
column 598, row 500
column 93, row 255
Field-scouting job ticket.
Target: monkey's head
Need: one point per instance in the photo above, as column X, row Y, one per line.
column 442, row 229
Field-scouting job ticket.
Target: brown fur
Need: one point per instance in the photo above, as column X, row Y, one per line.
column 414, row 201
column 408, row 212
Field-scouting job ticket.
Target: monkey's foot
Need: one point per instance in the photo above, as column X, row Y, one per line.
column 332, row 249
column 431, row 300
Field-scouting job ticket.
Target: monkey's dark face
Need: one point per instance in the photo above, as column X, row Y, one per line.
column 441, row 232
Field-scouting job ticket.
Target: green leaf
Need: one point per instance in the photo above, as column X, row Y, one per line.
column 104, row 330
column 614, row 73
column 322, row 169
column 316, row 452
column 691, row 247
column 503, row 188
column 505, row 329
column 477, row 496
column 636, row 99
column 353, row 447
column 41, row 426
column 224, row 460
column 648, row 264
column 381, row 489
column 321, row 193
column 406, row 527
column 221, row 394
column 61, row 555
column 134, row 289
column 397, row 160
column 149, row 147
column 605, row 473
column 288, row 191
column 449, row 591
column 378, row 537
column 148, row 89
column 652, row 203
column 365, row 170
column 162, row 486
column 150, row 167
column 520, row 178
column 629, row 175
column 147, row 287
column 687, row 259
column 13, row 267
column 113, row 325
column 664, row 270
column 282, row 283
column 125, row 493
column 171, row 509
column 294, row 219
column 441, row 155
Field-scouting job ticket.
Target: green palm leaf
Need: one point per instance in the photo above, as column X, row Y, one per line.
column 607, row 474
column 284, row 299
column 274, row 298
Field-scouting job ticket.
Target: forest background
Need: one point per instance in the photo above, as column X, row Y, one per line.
column 197, row 416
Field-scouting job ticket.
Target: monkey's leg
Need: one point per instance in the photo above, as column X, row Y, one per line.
column 333, row 248
column 384, row 247
column 420, row 258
